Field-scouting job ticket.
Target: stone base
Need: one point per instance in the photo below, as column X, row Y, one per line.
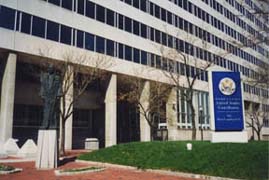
column 28, row 150
column 232, row 137
column 47, row 157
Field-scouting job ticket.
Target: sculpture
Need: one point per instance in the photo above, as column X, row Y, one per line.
column 50, row 92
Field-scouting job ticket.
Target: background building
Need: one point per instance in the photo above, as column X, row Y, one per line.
column 138, row 38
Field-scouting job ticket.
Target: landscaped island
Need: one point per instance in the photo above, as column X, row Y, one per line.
column 245, row 161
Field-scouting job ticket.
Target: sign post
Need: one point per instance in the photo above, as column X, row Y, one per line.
column 227, row 107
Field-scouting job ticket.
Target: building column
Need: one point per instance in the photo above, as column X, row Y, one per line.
column 171, row 115
column 7, row 98
column 69, row 80
column 145, row 133
column 196, row 109
column 111, row 112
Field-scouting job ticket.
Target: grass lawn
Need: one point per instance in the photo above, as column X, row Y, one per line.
column 246, row 161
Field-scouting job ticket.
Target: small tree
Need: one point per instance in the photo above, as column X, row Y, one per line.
column 77, row 72
column 131, row 92
column 256, row 122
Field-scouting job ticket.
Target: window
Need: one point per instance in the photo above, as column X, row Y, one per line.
column 136, row 55
column 7, row 17
column 144, row 58
column 157, row 36
column 143, row 30
column 121, row 47
column 26, row 23
column 128, row 53
column 100, row 13
column 121, row 21
column 52, row 31
column 81, row 7
column 18, row 20
column 56, row 2
column 38, row 28
column 90, row 9
column 136, row 4
column 110, row 16
column 100, row 44
column 143, row 5
column 128, row 24
column 80, row 39
column 136, row 27
column 65, row 35
column 89, row 41
column 110, row 49
column 67, row 4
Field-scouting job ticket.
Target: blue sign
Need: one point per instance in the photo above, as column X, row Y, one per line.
column 227, row 98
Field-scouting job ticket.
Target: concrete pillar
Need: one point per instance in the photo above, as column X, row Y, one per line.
column 69, row 81
column 111, row 112
column 7, row 98
column 171, row 115
column 196, row 109
column 145, row 133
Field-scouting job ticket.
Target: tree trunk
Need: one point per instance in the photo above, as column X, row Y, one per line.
column 259, row 136
column 193, row 137
column 62, row 137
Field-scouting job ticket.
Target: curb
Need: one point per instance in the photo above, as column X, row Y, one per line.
column 59, row 173
column 12, row 171
column 163, row 172
column 15, row 160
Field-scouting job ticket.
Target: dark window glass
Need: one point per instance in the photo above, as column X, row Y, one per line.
column 38, row 28
column 143, row 30
column 26, row 23
column 65, row 34
column 128, row 53
column 90, row 9
column 144, row 58
column 110, row 16
column 169, row 17
column 164, row 39
column 120, row 21
column 143, row 5
column 100, row 44
column 136, row 4
column 152, row 33
column 157, row 11
column 7, row 18
column 56, row 2
column 129, row 1
column 80, row 38
column 128, row 24
column 89, row 41
column 136, row 27
column 121, row 51
column 81, row 6
column 152, row 60
column 151, row 8
column 52, row 31
column 67, row 4
column 158, row 62
column 136, row 55
column 100, row 13
column 157, row 36
column 110, row 49
column 170, row 41
column 163, row 14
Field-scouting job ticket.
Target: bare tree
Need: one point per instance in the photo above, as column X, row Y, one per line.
column 131, row 92
column 192, row 69
column 76, row 76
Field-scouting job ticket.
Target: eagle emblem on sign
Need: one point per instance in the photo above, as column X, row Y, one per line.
column 227, row 86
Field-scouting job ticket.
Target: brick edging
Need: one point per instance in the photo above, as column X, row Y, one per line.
column 163, row 172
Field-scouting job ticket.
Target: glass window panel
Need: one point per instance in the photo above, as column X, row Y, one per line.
column 110, row 49
column 136, row 27
column 89, row 41
column 80, row 39
column 90, row 9
column 18, row 19
column 67, row 4
column 128, row 24
column 143, row 5
column 157, row 36
column 56, row 2
column 121, row 21
column 81, row 6
column 52, row 31
column 136, row 4
column 121, row 46
column 136, row 55
column 144, row 57
column 7, row 17
column 110, row 17
column 128, row 53
column 143, row 30
column 65, row 34
column 26, row 23
column 100, row 13
column 38, row 28
column 100, row 44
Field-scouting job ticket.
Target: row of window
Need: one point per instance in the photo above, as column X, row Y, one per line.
column 60, row 33
column 256, row 90
column 173, row 19
column 122, row 22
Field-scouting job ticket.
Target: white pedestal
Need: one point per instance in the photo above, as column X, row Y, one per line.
column 47, row 149
column 28, row 150
column 233, row 137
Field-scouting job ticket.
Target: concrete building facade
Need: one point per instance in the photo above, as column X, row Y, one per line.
column 136, row 37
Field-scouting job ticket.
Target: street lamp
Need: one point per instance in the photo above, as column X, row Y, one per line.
column 201, row 121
